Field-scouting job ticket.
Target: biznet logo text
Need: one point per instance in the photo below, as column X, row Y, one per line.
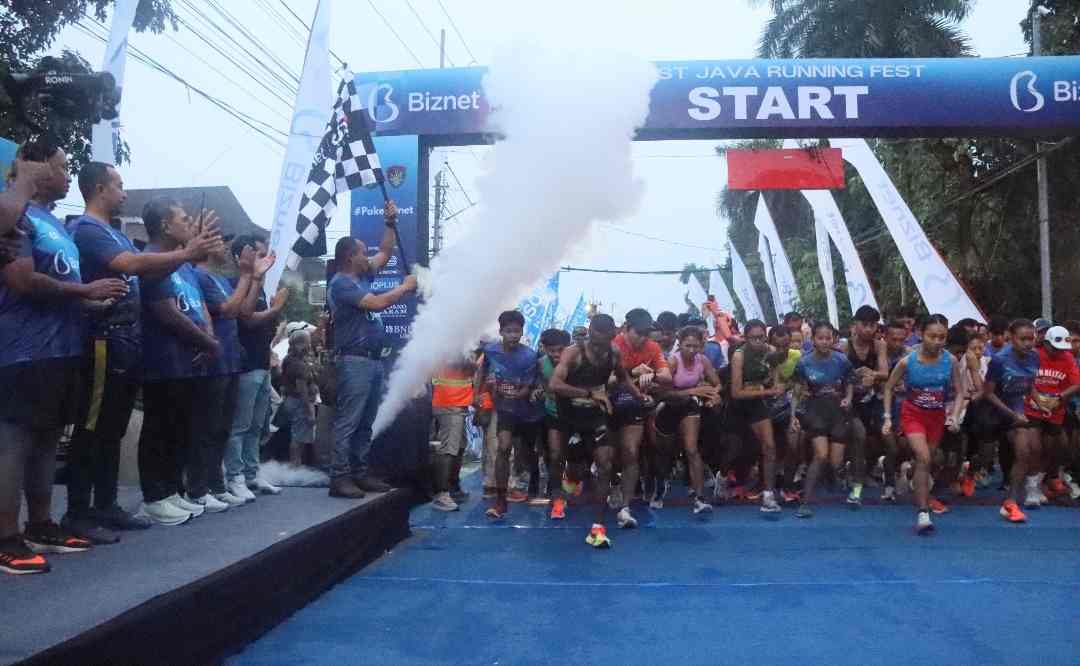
column 1027, row 98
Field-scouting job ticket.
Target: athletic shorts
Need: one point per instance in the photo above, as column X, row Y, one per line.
column 1045, row 427
column 512, row 423
column 1072, row 422
column 584, row 428
column 825, row 418
column 450, row 423
column 928, row 422
column 671, row 413
column 628, row 409
column 42, row 395
column 871, row 413
column 750, row 411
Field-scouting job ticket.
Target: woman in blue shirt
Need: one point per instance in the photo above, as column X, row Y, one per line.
column 825, row 376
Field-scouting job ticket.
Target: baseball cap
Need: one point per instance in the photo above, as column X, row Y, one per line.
column 639, row 320
column 1043, row 324
column 1058, row 337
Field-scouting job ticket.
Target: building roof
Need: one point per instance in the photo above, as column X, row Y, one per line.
column 233, row 220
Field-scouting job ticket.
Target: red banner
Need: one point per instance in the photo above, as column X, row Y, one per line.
column 801, row 169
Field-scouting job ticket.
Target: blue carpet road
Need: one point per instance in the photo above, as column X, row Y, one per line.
column 844, row 587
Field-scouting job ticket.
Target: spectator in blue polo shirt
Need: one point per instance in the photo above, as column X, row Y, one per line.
column 358, row 343
column 112, row 372
column 42, row 297
column 178, row 346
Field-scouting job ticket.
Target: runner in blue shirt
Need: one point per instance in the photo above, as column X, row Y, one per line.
column 1009, row 381
column 113, row 367
column 178, row 345
column 42, row 296
column 827, row 377
column 358, row 341
column 225, row 303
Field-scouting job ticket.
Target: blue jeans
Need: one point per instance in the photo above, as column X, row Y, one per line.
column 359, row 389
column 248, row 425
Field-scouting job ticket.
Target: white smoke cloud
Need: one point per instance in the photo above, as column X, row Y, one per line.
column 568, row 120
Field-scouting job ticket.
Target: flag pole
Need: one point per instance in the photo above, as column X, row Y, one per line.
column 397, row 234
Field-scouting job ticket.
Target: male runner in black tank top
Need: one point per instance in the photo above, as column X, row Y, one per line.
column 580, row 384
column 868, row 356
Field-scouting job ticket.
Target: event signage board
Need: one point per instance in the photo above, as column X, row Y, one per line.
column 811, row 97
column 398, row 155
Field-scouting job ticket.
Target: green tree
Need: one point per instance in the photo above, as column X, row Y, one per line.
column 28, row 28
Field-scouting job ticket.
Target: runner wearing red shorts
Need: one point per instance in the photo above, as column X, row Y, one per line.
column 929, row 374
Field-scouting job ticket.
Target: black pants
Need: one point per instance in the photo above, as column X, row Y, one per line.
column 94, row 457
column 169, row 424
column 212, row 412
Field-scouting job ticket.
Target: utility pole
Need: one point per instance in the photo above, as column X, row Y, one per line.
column 1037, row 12
column 440, row 212
column 442, row 48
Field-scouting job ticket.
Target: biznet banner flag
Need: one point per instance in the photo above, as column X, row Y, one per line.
column 812, row 97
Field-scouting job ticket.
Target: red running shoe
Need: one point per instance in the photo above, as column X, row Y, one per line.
column 967, row 486
column 1056, row 487
column 1011, row 512
column 498, row 509
column 937, row 506
column 18, row 560
column 558, row 509
column 790, row 496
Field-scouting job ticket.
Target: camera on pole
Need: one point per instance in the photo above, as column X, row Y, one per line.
column 76, row 96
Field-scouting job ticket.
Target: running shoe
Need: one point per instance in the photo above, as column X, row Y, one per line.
column 1056, row 486
column 1032, row 499
column 18, row 560
column 497, row 510
column 443, row 502
column 263, row 487
column 769, row 503
column 85, row 527
column 116, row 518
column 626, row 519
column 967, row 486
column 237, row 486
column 1074, row 487
column 656, row 503
column 888, row 494
column 804, row 511
column 615, row 498
column 517, row 496
column 1011, row 512
column 182, row 503
column 164, row 512
column 558, row 509
column 210, row 503
column 754, row 495
column 982, row 479
column 923, row 524
column 937, row 506
column 571, row 487
column 854, row 498
column 598, row 537
column 790, row 496
column 700, row 506
column 48, row 537
column 230, row 499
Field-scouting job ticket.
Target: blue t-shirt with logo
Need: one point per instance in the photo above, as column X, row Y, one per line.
column 357, row 331
column 1013, row 377
column 34, row 329
column 714, row 351
column 508, row 371
column 217, row 290
column 165, row 354
column 824, row 376
column 98, row 245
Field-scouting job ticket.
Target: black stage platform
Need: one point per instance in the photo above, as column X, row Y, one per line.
column 196, row 593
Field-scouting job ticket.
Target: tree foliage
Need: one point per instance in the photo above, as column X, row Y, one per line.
column 990, row 237
column 27, row 29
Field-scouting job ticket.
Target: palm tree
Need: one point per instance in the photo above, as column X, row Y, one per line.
column 865, row 29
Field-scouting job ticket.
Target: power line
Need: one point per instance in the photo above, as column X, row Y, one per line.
column 395, row 33
column 458, row 33
column 613, row 271
column 308, row 28
column 430, row 34
column 282, row 22
column 658, row 239
column 254, row 40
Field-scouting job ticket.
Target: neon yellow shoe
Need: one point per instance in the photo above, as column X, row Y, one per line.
column 598, row 537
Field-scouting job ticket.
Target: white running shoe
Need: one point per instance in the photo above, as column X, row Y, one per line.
column 656, row 503
column 720, row 490
column 769, row 503
column 1074, row 490
column 229, row 498
column 615, row 498
column 210, row 503
column 700, row 506
column 239, row 488
column 888, row 494
column 1031, row 498
column 443, row 502
column 923, row 524
column 164, row 512
column 182, row 503
column 626, row 519
column 263, row 487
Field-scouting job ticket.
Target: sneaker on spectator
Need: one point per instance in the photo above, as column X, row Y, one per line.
column 165, row 512
column 370, row 484
column 229, row 498
column 237, row 486
column 48, row 537
column 85, row 527
column 117, row 519
column 263, row 487
column 184, row 504
column 18, row 560
column 443, row 502
column 210, row 503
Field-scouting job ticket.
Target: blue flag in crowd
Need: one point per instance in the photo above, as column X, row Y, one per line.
column 539, row 309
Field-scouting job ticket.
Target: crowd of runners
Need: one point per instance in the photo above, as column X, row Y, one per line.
column 913, row 406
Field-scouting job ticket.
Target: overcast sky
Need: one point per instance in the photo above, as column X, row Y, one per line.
column 179, row 139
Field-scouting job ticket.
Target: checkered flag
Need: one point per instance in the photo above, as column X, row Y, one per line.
column 345, row 160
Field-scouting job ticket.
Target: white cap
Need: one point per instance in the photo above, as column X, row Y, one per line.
column 1058, row 337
